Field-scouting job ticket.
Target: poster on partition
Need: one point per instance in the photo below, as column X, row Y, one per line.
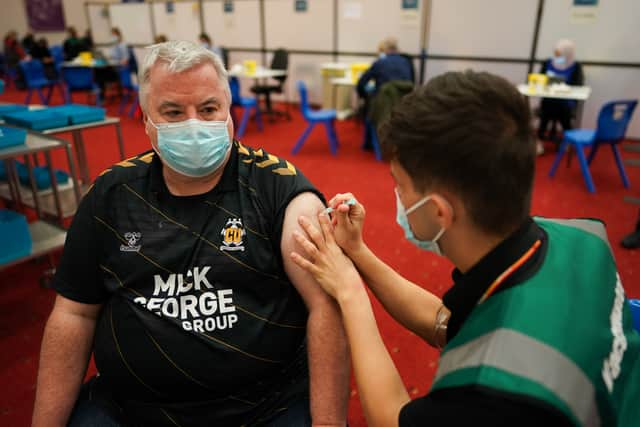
column 584, row 12
column 45, row 15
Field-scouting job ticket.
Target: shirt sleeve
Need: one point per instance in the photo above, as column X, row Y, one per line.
column 278, row 189
column 480, row 406
column 78, row 276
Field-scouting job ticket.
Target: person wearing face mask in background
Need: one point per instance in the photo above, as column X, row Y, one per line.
column 119, row 51
column 207, row 43
column 173, row 275
column 561, row 67
column 517, row 350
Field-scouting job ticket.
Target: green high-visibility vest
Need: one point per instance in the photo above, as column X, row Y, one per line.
column 564, row 336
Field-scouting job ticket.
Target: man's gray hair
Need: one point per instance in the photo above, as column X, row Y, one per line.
column 179, row 56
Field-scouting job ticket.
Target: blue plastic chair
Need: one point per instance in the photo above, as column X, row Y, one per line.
column 326, row 117
column 248, row 105
column 57, row 52
column 34, row 79
column 79, row 79
column 130, row 91
column 613, row 120
column 635, row 313
column 371, row 134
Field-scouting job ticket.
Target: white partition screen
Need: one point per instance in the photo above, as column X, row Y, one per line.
column 134, row 21
column 612, row 35
column 490, row 28
column 237, row 29
column 99, row 22
column 308, row 30
column 363, row 23
column 179, row 22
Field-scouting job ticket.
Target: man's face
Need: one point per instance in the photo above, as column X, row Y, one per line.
column 196, row 93
column 421, row 220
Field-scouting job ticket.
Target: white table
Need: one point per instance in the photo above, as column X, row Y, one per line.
column 344, row 82
column 577, row 93
column 260, row 73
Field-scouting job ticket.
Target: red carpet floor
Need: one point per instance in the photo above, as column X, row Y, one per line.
column 24, row 305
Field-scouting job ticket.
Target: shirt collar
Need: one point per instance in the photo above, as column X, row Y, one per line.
column 469, row 287
column 228, row 181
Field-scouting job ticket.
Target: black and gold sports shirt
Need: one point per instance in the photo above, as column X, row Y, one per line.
column 199, row 323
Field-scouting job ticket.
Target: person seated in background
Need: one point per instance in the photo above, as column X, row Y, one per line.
column 119, row 51
column 562, row 67
column 41, row 52
column 390, row 65
column 72, row 45
column 632, row 240
column 13, row 54
column 207, row 43
column 536, row 329
column 175, row 274
column 28, row 43
column 160, row 38
column 87, row 41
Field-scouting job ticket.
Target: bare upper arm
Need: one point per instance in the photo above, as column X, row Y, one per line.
column 309, row 205
column 66, row 306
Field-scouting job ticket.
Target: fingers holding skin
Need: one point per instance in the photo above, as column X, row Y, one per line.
column 303, row 263
column 327, row 229
column 310, row 249
column 315, row 235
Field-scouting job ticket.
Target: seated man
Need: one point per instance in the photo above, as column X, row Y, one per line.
column 389, row 67
column 173, row 276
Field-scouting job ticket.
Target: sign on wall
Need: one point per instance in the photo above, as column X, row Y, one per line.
column 45, row 15
column 410, row 4
column 301, row 5
column 584, row 11
column 227, row 6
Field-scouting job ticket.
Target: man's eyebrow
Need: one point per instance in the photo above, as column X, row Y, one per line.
column 212, row 100
column 169, row 104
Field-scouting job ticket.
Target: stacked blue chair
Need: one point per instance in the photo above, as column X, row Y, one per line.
column 79, row 79
column 613, row 120
column 326, row 117
column 34, row 79
column 130, row 91
column 57, row 52
column 248, row 106
column 635, row 313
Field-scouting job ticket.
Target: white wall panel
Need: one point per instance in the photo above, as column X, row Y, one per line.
column 613, row 37
column 241, row 28
column 492, row 28
column 310, row 30
column 181, row 24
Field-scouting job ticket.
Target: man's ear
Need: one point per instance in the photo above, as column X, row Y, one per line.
column 445, row 210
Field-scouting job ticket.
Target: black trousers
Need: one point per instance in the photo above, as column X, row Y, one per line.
column 554, row 110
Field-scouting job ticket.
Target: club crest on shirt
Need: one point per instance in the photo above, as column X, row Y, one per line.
column 133, row 240
column 232, row 235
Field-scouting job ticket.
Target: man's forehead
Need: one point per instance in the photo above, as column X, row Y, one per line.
column 160, row 71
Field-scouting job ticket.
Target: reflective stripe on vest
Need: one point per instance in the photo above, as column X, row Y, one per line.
column 590, row 226
column 533, row 360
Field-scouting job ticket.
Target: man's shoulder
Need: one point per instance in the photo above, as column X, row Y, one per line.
column 263, row 168
column 124, row 172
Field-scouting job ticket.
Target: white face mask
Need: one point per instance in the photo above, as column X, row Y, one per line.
column 403, row 221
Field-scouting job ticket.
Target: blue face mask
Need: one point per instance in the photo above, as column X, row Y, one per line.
column 559, row 60
column 193, row 147
column 403, row 221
